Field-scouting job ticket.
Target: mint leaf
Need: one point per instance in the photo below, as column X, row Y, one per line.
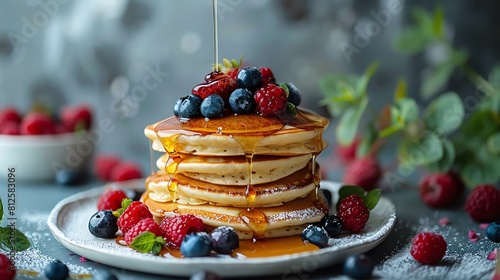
column 13, row 241
column 348, row 190
column 400, row 92
column 285, row 88
column 125, row 203
column 372, row 198
column 438, row 26
column 349, row 122
column 362, row 83
column 147, row 242
column 423, row 151
column 446, row 162
column 369, row 138
column 444, row 114
column 494, row 144
column 1, row 211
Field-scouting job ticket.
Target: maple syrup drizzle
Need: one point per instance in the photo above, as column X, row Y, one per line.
column 216, row 36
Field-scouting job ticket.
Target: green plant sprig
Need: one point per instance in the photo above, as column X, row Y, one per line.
column 11, row 239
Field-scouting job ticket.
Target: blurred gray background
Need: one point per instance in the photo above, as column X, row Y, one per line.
column 131, row 60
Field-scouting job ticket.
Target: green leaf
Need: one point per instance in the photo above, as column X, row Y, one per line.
column 423, row 151
column 446, row 162
column 438, row 25
column 479, row 125
column 478, row 172
column 408, row 110
column 13, row 239
column 494, row 144
column 395, row 128
column 444, row 114
column 410, row 40
column 285, row 88
column 369, row 138
column 494, row 77
column 437, row 79
column 349, row 122
column 400, row 92
column 362, row 83
column 348, row 190
column 147, row 242
column 1, row 211
column 372, row 198
column 338, row 92
column 125, row 203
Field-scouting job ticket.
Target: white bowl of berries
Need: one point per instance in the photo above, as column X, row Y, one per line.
column 37, row 147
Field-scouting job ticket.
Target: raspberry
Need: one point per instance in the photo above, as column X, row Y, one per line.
column 267, row 76
column 353, row 213
column 233, row 73
column 134, row 213
column 216, row 83
column 347, row 153
column 111, row 200
column 428, row 247
column 7, row 269
column 177, row 227
column 125, row 171
column 271, row 100
column 9, row 114
column 364, row 172
column 36, row 123
column 76, row 117
column 482, row 204
column 103, row 164
column 439, row 190
column 9, row 128
column 143, row 225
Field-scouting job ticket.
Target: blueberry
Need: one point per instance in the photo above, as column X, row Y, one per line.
column 224, row 240
column 316, row 235
column 212, row 106
column 189, row 106
column 249, row 78
column 67, row 177
column 493, row 232
column 103, row 224
column 177, row 106
column 56, row 270
column 294, row 95
column 359, row 266
column 196, row 245
column 241, row 101
column 205, row 275
column 105, row 275
column 332, row 224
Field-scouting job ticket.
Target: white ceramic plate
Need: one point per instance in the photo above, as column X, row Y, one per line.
column 68, row 223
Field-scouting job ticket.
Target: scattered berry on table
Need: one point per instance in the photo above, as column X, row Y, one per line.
column 270, row 100
column 111, row 200
column 56, row 270
column 364, row 172
column 205, row 275
column 189, row 106
column 7, row 269
column 9, row 114
column 439, row 190
column 133, row 213
column 9, row 128
column 143, row 225
column 359, row 266
column 493, row 232
column 332, row 224
column 459, row 183
column 177, row 227
column 294, row 95
column 196, row 244
column 126, row 170
column 241, row 101
column 249, row 77
column 212, row 106
column 315, row 235
column 68, row 177
column 77, row 117
column 105, row 275
column 103, row 164
column 347, row 153
column 267, row 76
column 353, row 213
column 103, row 224
column 36, row 123
column 428, row 248
column 224, row 240
column 483, row 204
column 216, row 83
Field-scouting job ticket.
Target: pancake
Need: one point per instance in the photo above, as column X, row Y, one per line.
column 233, row 170
column 269, row 222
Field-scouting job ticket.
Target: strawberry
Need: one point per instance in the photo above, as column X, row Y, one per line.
column 271, row 100
column 177, row 227
column 364, row 172
column 111, row 200
column 76, row 118
column 216, row 83
column 9, row 114
column 36, row 123
column 428, row 248
column 145, row 236
column 131, row 213
column 439, row 190
column 124, row 171
column 103, row 164
column 483, row 204
column 267, row 76
column 353, row 213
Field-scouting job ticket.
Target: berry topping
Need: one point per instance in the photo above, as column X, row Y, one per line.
column 428, row 247
column 196, row 244
column 271, row 100
column 294, row 95
column 241, row 101
column 359, row 266
column 267, row 76
column 189, row 106
column 7, row 269
column 316, row 235
column 233, row 73
column 353, row 213
column 439, row 190
column 77, row 118
column 143, row 225
column 56, row 270
column 212, row 106
column 111, row 200
column 493, row 232
column 224, row 240
column 332, row 224
column 177, row 227
column 132, row 213
column 103, row 224
column 103, row 164
column 482, row 204
column 250, row 78
column 364, row 172
column 205, row 275
column 124, row 171
column 217, row 83
column 9, row 114
column 36, row 123
column 67, row 177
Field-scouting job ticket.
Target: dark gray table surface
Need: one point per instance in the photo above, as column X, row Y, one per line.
column 464, row 259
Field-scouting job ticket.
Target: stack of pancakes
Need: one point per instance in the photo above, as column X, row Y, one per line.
column 254, row 173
